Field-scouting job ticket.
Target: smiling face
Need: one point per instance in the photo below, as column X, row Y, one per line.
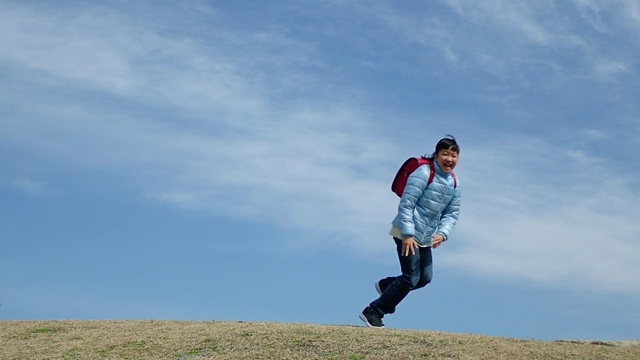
column 447, row 159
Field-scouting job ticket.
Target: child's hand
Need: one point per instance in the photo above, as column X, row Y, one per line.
column 436, row 240
column 409, row 244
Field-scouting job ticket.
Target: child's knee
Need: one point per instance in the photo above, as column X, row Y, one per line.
column 422, row 282
column 410, row 281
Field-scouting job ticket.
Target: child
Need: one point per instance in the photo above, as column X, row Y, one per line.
column 426, row 216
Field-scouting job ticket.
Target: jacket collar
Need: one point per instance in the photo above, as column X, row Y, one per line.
column 439, row 171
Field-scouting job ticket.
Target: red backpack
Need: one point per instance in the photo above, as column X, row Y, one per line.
column 409, row 166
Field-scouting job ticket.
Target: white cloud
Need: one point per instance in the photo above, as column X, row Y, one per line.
column 591, row 13
column 609, row 68
column 595, row 134
column 31, row 186
column 81, row 46
column 603, row 15
column 101, row 49
column 574, row 247
column 561, row 222
column 215, row 125
column 231, row 151
column 514, row 41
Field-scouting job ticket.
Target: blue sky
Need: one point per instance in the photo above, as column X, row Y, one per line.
column 231, row 160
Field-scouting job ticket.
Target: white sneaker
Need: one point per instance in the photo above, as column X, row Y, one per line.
column 377, row 285
column 371, row 318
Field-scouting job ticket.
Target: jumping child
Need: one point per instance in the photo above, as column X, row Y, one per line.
column 427, row 213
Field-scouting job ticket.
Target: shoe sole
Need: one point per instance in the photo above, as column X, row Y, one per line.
column 377, row 285
column 364, row 318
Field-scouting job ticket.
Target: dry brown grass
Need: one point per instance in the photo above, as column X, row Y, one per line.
column 183, row 340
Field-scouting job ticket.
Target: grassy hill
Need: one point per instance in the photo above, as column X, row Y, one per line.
column 184, row 340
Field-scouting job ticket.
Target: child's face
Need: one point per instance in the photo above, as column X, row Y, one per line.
column 447, row 159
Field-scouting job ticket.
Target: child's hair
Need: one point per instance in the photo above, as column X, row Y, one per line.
column 446, row 143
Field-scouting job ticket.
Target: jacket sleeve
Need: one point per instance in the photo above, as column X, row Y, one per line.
column 449, row 216
column 416, row 183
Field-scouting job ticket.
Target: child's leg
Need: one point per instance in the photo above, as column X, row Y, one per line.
column 426, row 268
column 426, row 271
column 397, row 288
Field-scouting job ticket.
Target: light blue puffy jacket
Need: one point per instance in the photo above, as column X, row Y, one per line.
column 426, row 210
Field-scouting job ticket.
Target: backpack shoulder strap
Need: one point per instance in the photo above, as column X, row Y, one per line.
column 432, row 172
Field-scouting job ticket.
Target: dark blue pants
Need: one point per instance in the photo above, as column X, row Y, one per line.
column 417, row 271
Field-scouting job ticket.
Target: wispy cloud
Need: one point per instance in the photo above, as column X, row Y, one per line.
column 548, row 222
column 31, row 186
column 591, row 13
column 219, row 142
column 252, row 126
column 511, row 40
